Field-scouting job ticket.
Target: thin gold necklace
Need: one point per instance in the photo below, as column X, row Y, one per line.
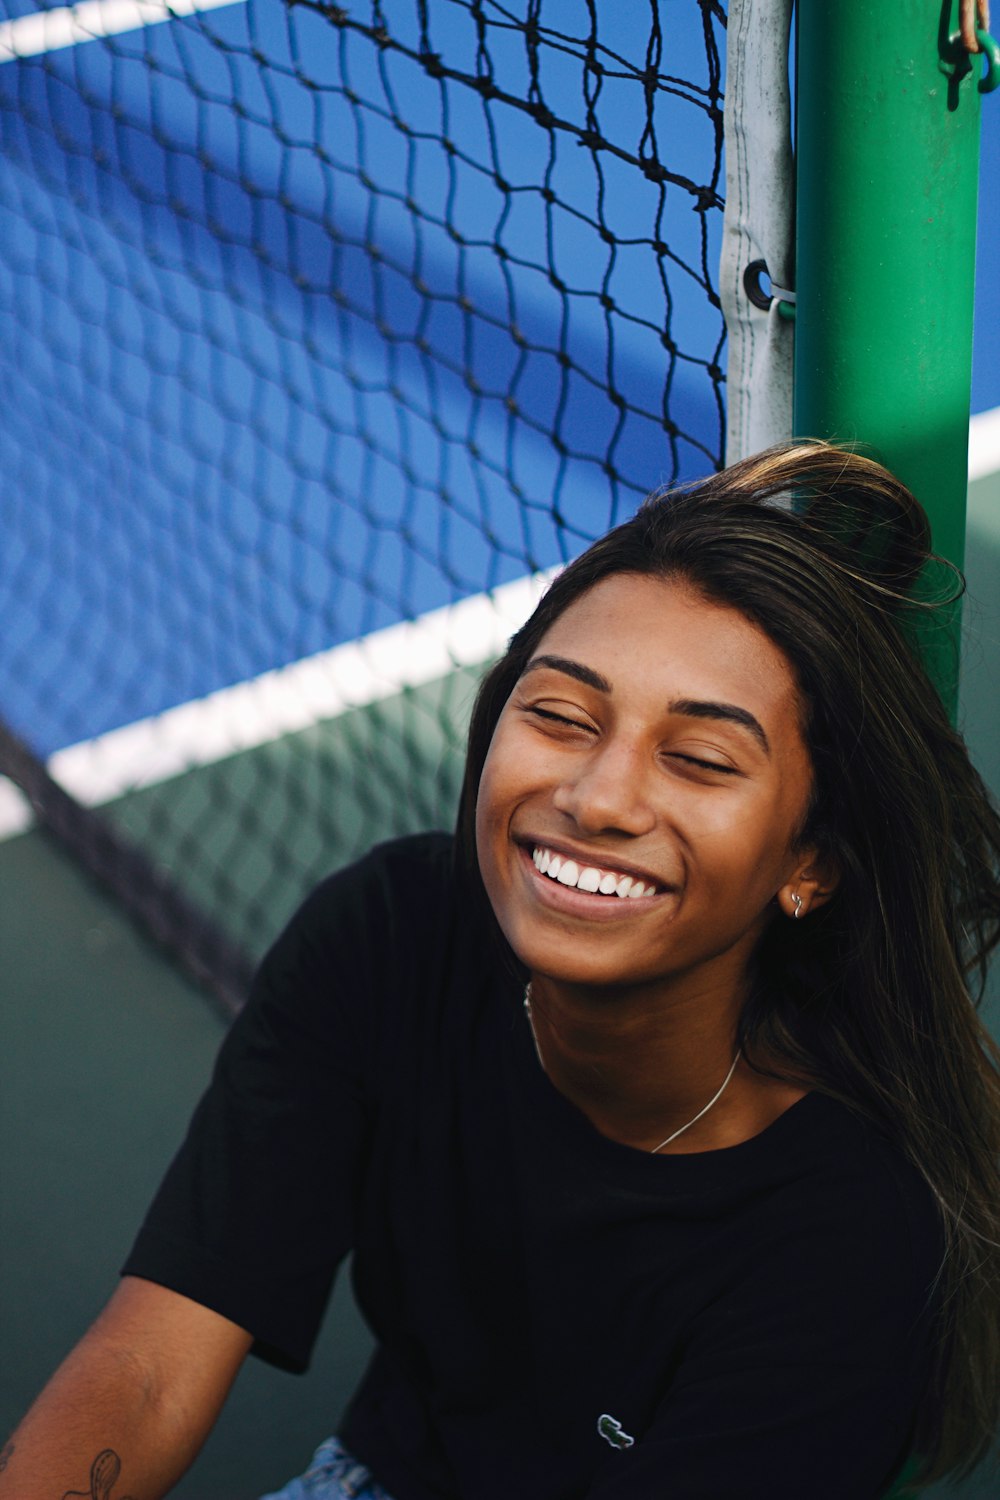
column 714, row 1099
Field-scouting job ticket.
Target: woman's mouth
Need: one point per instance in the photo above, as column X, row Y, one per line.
column 593, row 879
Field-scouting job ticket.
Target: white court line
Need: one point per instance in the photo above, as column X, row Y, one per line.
column 284, row 701
column 984, row 444
column 67, row 25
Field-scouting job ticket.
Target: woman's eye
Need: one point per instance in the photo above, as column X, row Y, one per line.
column 551, row 717
column 705, row 765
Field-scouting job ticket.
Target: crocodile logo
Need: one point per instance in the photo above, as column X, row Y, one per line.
column 610, row 1429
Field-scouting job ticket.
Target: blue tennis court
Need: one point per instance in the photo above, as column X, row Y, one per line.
column 261, row 400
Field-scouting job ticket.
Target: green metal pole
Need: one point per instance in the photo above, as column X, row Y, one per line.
column 887, row 153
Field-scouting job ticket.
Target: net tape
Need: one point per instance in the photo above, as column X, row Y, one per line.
column 316, row 320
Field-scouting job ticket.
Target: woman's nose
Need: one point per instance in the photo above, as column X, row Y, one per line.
column 608, row 792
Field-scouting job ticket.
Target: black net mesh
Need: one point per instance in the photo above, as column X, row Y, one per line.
column 314, row 320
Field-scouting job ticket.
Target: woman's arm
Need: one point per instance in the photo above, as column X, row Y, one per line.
column 127, row 1411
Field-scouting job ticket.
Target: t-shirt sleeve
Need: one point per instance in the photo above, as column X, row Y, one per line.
column 803, row 1377
column 258, row 1207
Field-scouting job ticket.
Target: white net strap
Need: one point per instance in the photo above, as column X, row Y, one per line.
column 759, row 223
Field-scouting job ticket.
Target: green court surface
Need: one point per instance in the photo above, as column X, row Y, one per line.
column 104, row 1052
column 104, row 1048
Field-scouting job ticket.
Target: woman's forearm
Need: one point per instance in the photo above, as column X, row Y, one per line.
column 130, row 1407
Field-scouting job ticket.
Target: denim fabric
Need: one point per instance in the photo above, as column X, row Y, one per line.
column 334, row 1474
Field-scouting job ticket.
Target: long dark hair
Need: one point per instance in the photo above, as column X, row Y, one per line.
column 874, row 999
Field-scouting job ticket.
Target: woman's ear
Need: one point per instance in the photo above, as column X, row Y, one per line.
column 814, row 881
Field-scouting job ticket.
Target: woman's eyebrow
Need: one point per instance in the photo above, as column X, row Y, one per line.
column 729, row 712
column 572, row 668
column 694, row 708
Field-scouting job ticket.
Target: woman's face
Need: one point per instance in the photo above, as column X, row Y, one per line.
column 643, row 790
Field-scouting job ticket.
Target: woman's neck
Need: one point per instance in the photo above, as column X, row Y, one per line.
column 643, row 1065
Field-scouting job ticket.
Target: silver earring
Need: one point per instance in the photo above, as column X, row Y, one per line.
column 797, row 903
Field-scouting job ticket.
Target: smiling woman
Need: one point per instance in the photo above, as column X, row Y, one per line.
column 721, row 700
column 662, row 762
column 668, row 750
column 655, row 1107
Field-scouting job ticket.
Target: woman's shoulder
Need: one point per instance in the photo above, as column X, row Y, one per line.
column 861, row 1150
column 360, row 925
column 396, row 882
column 393, row 859
column 850, row 1190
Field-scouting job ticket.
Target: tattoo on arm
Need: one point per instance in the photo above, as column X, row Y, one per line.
column 104, row 1472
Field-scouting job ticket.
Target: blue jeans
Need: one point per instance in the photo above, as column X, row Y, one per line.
column 334, row 1474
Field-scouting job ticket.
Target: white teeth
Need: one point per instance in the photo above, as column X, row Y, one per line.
column 587, row 877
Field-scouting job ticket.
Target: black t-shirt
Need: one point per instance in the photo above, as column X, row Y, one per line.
column 557, row 1315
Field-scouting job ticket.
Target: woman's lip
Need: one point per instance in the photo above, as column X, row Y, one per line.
column 567, row 899
column 588, row 860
